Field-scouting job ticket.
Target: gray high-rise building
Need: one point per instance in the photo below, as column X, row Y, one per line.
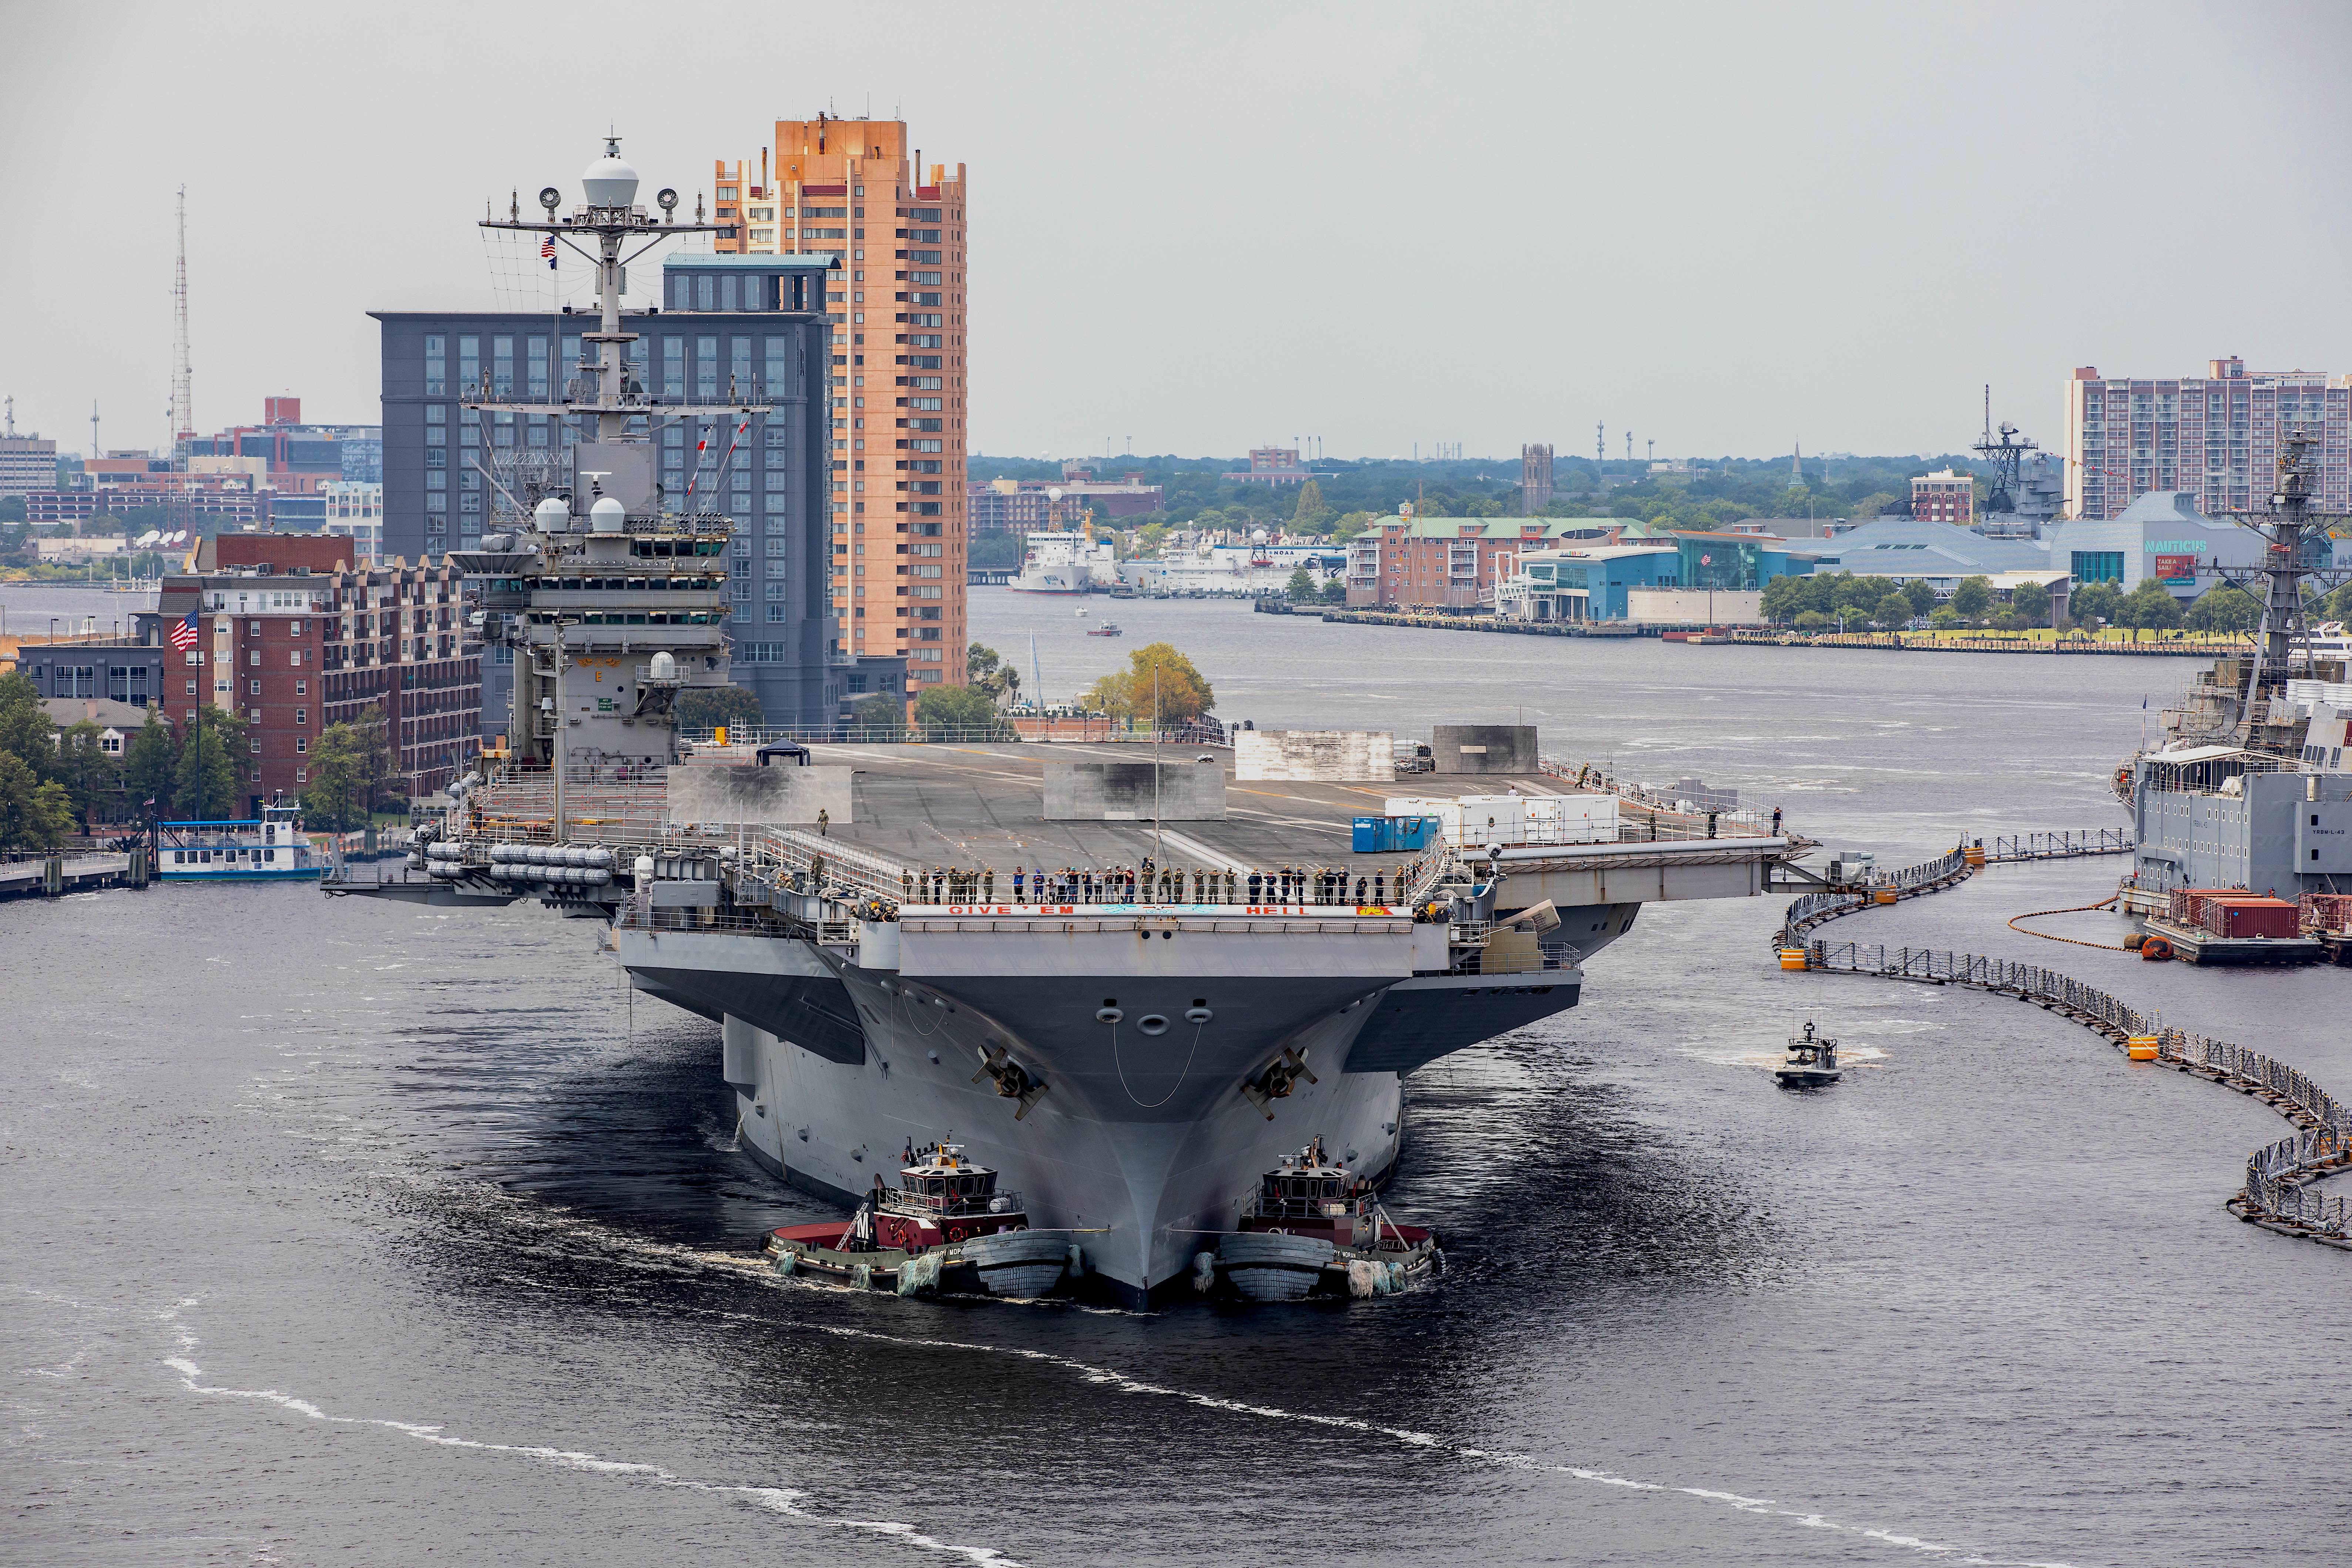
column 747, row 329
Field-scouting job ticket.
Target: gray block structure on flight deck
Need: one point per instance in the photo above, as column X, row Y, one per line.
column 1123, row 791
column 1315, row 756
column 785, row 796
column 1483, row 748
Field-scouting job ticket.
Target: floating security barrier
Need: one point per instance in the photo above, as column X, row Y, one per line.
column 2141, row 1047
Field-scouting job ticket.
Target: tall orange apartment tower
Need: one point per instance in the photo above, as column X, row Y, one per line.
column 854, row 189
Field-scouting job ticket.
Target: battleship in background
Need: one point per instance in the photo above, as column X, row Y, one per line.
column 2248, row 789
column 1128, row 985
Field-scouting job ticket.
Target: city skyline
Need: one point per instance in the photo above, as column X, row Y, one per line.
column 1204, row 243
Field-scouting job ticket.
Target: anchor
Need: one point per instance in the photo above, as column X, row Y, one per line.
column 1275, row 1082
column 1014, row 1081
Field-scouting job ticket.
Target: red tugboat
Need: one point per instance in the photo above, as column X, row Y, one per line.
column 944, row 1226
column 1318, row 1230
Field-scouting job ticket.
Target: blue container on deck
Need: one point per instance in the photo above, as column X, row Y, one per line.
column 1393, row 834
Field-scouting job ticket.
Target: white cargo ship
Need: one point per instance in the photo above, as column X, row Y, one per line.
column 1066, row 562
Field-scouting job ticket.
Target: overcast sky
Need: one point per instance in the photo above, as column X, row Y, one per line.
column 1727, row 228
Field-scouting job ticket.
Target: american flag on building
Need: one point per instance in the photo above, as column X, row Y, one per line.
column 183, row 632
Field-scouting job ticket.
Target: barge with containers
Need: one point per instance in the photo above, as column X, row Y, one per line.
column 1127, row 984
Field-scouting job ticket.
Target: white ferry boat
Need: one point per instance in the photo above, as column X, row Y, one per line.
column 1066, row 562
column 270, row 847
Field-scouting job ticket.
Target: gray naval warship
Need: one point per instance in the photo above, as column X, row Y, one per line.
column 2246, row 789
column 1129, row 979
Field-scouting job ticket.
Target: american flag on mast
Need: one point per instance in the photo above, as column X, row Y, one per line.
column 183, row 632
column 547, row 252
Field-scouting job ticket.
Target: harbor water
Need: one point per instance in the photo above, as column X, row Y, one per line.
column 374, row 1234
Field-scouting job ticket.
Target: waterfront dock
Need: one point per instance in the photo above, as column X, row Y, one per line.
column 1697, row 635
column 54, row 876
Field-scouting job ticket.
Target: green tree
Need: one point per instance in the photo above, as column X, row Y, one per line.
column 1310, row 515
column 946, row 713
column 215, row 760
column 1158, row 678
column 1922, row 594
column 2149, row 607
column 1945, row 619
column 988, row 672
column 35, row 813
column 92, row 776
column 379, row 763
column 1813, row 621
column 1301, row 586
column 332, row 799
column 2096, row 601
column 1972, row 600
column 708, row 707
column 1352, row 524
column 1784, row 599
column 147, row 768
column 25, row 732
column 1893, row 610
column 881, row 717
column 2223, row 609
column 2032, row 603
column 1335, row 592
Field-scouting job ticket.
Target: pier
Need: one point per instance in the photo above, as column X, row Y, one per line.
column 2068, row 846
column 54, row 876
column 1750, row 636
column 2278, row 1192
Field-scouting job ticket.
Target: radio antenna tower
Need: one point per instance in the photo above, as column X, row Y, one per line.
column 184, row 413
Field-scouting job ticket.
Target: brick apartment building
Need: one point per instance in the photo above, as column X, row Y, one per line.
column 1452, row 561
column 1022, row 506
column 1945, row 497
column 855, row 190
column 2214, row 436
column 294, row 638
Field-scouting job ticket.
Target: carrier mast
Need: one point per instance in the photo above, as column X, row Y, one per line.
column 2296, row 545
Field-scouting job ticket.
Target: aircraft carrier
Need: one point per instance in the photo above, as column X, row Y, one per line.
column 1129, row 977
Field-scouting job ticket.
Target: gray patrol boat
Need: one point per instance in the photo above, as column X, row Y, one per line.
column 1130, row 978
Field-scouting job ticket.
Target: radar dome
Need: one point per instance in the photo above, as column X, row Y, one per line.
column 609, row 181
column 665, row 666
column 607, row 516
column 551, row 516
column 1257, row 536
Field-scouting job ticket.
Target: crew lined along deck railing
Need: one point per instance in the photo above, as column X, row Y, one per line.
column 1661, row 820
column 809, row 863
column 2277, row 1190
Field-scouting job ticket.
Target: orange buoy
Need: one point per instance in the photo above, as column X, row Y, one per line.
column 2154, row 949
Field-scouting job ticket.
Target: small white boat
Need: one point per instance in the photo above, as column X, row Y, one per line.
column 271, row 847
column 1811, row 1061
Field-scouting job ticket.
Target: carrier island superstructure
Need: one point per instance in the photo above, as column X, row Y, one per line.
column 1130, row 977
